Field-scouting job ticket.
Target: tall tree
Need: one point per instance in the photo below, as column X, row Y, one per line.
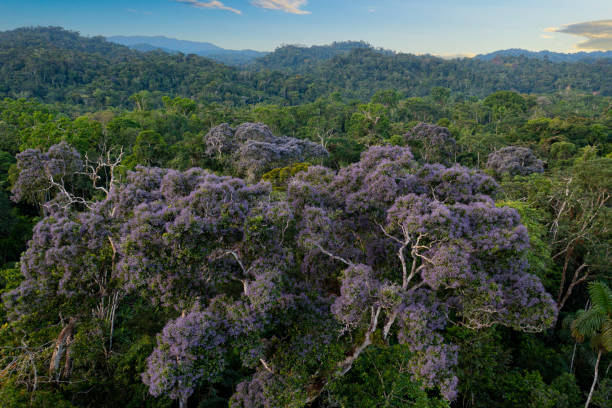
column 596, row 323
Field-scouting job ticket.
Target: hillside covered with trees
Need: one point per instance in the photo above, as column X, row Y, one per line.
column 330, row 227
column 58, row 66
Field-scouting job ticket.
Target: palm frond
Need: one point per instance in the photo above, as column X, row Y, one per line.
column 601, row 297
column 587, row 323
column 606, row 335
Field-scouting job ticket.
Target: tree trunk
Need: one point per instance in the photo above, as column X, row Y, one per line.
column 182, row 402
column 344, row 366
column 594, row 380
column 62, row 347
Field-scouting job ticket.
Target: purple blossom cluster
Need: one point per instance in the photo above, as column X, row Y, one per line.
column 190, row 349
column 384, row 245
column 432, row 143
column 61, row 164
column 254, row 150
column 514, row 160
column 400, row 226
column 420, row 318
column 67, row 256
column 254, row 393
column 183, row 231
column 357, row 292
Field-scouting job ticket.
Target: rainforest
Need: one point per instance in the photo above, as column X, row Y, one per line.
column 331, row 227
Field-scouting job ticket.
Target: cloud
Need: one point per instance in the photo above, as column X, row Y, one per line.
column 288, row 6
column 598, row 34
column 456, row 56
column 213, row 4
column 546, row 36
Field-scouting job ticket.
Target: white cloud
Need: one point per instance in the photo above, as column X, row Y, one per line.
column 288, row 6
column 213, row 4
column 598, row 34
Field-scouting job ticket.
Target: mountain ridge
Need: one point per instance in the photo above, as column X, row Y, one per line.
column 58, row 65
column 319, row 52
column 552, row 56
column 175, row 46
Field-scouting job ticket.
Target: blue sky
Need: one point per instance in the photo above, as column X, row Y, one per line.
column 441, row 27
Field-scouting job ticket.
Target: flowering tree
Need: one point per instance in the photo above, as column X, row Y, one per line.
column 514, row 160
column 254, row 150
column 41, row 174
column 432, row 143
column 413, row 249
column 62, row 178
column 298, row 286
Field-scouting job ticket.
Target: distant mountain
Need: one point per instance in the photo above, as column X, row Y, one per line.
column 56, row 65
column 186, row 47
column 547, row 55
column 144, row 47
column 174, row 46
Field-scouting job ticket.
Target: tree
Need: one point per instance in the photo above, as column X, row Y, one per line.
column 580, row 225
column 150, row 149
column 385, row 247
column 514, row 160
column 252, row 150
column 379, row 380
column 432, row 144
column 506, row 108
column 440, row 94
column 370, row 124
column 45, row 176
column 596, row 323
column 385, row 224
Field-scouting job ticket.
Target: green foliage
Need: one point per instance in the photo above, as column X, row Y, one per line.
column 539, row 255
column 15, row 230
column 127, row 368
column 596, row 322
column 568, row 393
column 602, row 397
column 15, row 396
column 526, row 389
column 380, row 378
column 506, row 101
column 279, row 177
column 562, row 150
column 149, row 150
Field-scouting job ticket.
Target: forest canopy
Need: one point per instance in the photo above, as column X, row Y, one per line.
column 330, row 227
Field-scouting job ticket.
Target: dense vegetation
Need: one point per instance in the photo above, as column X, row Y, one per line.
column 178, row 232
column 60, row 66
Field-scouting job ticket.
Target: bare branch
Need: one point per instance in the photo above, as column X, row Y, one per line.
column 336, row 257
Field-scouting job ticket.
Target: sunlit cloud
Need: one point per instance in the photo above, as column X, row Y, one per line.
column 457, row 56
column 598, row 34
column 546, row 36
column 288, row 6
column 213, row 4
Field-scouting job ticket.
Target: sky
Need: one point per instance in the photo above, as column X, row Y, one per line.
column 439, row 27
